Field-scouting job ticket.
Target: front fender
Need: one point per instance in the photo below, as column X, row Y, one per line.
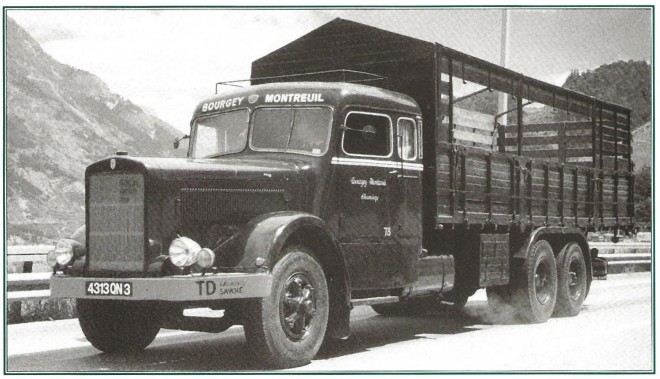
column 266, row 235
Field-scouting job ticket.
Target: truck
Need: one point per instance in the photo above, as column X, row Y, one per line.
column 357, row 167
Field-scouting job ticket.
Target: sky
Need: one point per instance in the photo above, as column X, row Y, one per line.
column 167, row 60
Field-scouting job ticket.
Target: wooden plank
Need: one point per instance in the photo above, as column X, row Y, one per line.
column 469, row 129
column 584, row 141
column 467, row 114
column 578, row 152
column 551, row 126
column 471, row 144
column 473, row 137
column 542, row 154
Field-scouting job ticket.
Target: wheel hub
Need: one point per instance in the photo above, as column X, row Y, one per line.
column 542, row 283
column 298, row 306
column 574, row 275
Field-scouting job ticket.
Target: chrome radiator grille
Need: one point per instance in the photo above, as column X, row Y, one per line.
column 116, row 222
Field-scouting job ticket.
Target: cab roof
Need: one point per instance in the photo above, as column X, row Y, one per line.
column 333, row 94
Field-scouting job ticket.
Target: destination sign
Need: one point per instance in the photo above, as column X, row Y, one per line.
column 294, row 98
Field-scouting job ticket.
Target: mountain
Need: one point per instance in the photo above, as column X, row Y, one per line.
column 59, row 120
column 624, row 83
column 628, row 84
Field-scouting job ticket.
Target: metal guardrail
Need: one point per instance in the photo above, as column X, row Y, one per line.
column 28, row 255
column 620, row 245
column 34, row 285
column 28, row 296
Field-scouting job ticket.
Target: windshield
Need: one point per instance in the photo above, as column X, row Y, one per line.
column 220, row 134
column 297, row 130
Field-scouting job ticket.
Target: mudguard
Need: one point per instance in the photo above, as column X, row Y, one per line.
column 557, row 237
column 266, row 236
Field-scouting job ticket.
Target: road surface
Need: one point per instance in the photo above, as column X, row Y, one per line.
column 613, row 332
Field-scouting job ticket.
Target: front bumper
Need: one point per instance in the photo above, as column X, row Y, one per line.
column 171, row 288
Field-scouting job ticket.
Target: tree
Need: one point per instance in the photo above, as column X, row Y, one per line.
column 643, row 193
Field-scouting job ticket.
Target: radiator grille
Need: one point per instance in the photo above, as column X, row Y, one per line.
column 116, row 222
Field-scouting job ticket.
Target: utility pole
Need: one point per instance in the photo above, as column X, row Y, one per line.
column 503, row 97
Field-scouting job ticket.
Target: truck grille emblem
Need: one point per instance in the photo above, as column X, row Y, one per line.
column 113, row 164
column 253, row 99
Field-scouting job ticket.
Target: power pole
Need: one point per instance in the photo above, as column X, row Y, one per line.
column 503, row 97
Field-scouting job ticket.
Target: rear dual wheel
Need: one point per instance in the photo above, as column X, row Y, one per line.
column 533, row 293
column 536, row 293
column 572, row 280
column 545, row 286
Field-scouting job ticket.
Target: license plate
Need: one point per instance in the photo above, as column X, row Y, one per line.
column 102, row 288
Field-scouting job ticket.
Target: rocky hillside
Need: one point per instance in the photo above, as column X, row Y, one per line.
column 625, row 83
column 59, row 120
column 628, row 84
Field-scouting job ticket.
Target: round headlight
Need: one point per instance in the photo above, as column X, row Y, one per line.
column 205, row 258
column 183, row 251
column 62, row 255
column 51, row 258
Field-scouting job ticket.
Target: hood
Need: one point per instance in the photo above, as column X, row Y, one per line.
column 236, row 168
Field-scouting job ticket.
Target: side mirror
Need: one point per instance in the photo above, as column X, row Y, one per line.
column 176, row 141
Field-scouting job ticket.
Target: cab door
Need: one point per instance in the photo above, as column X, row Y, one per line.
column 408, row 212
column 367, row 171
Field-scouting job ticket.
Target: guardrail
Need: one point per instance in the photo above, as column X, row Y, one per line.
column 27, row 256
column 26, row 285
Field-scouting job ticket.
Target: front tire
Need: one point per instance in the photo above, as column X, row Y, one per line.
column 572, row 280
column 118, row 326
column 286, row 328
column 535, row 294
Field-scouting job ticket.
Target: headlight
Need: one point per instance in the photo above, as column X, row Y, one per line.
column 205, row 258
column 183, row 251
column 62, row 255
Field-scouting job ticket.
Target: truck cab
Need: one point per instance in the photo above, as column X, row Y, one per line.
column 356, row 151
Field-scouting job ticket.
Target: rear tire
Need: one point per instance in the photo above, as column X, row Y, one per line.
column 535, row 294
column 118, row 326
column 571, row 280
column 286, row 328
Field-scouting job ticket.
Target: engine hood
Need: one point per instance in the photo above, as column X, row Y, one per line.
column 236, row 168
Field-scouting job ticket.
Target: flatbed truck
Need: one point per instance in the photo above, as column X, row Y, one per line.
column 352, row 170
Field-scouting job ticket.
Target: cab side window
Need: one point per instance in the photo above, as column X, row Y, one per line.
column 407, row 141
column 367, row 134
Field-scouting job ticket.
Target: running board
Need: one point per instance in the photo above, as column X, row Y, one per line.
column 374, row 300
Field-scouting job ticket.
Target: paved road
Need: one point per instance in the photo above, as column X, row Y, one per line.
column 613, row 332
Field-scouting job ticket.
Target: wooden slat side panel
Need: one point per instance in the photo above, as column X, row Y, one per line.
column 473, row 119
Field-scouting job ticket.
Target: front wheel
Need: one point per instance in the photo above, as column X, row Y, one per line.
column 286, row 328
column 118, row 326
